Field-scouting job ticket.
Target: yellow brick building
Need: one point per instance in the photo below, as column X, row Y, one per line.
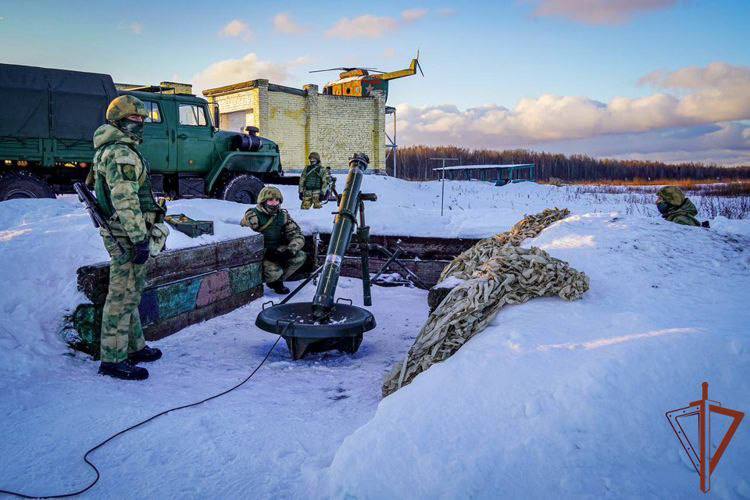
column 303, row 120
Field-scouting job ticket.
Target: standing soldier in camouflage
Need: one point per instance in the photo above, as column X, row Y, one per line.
column 313, row 182
column 282, row 238
column 123, row 191
column 674, row 206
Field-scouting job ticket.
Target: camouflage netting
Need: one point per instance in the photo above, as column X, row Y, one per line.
column 464, row 265
column 496, row 272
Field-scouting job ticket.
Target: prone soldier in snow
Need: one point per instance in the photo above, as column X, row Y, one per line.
column 674, row 206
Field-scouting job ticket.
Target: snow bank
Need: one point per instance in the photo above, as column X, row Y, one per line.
column 564, row 398
column 42, row 244
column 569, row 398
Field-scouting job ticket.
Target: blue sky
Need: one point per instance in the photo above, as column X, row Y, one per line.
column 488, row 65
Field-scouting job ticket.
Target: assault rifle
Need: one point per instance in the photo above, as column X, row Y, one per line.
column 86, row 197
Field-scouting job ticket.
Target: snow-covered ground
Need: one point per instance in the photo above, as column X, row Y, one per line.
column 554, row 398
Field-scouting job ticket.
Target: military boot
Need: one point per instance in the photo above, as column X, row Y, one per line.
column 278, row 287
column 145, row 355
column 124, row 370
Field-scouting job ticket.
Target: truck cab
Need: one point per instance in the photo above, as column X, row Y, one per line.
column 42, row 153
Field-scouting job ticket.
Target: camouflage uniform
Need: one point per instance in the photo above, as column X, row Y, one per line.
column 674, row 206
column 280, row 233
column 123, row 189
column 314, row 182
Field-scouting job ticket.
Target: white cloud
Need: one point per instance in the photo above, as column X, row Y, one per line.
column 136, row 28
column 389, row 52
column 283, row 23
column 249, row 67
column 301, row 61
column 716, row 95
column 598, row 11
column 716, row 74
column 724, row 143
column 237, row 29
column 411, row 15
column 447, row 12
column 366, row 26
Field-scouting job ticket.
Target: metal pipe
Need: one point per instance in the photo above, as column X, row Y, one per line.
column 395, row 147
column 442, row 191
column 363, row 238
column 341, row 236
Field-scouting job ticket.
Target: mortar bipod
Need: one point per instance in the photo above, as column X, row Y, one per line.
column 393, row 258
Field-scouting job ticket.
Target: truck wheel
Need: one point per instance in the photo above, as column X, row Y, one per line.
column 23, row 185
column 242, row 189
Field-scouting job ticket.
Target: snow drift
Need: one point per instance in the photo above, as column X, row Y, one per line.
column 569, row 398
column 553, row 398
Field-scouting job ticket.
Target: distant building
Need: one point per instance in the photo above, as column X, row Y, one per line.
column 303, row 120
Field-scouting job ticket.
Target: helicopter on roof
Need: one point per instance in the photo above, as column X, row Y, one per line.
column 365, row 82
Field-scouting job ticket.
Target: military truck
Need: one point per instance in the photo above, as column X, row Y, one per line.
column 47, row 122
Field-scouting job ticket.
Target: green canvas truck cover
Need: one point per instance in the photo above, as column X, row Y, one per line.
column 51, row 103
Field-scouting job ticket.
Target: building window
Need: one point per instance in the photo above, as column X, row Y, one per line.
column 154, row 115
column 192, row 115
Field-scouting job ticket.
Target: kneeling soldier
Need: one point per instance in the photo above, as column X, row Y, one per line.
column 282, row 238
column 314, row 182
column 123, row 192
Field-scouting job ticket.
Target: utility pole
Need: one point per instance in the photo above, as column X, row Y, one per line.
column 392, row 145
column 442, row 178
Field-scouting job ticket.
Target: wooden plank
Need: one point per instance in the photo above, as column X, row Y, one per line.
column 425, row 248
column 218, row 308
column 175, row 265
column 427, row 270
column 87, row 319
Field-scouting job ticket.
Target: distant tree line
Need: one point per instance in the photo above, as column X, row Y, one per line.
column 414, row 164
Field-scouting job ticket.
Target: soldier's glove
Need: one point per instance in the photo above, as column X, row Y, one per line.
column 301, row 195
column 140, row 252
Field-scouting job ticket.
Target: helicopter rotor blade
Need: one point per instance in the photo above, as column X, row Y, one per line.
column 322, row 70
column 419, row 66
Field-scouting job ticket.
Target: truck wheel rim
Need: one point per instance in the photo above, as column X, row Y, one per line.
column 17, row 194
column 245, row 197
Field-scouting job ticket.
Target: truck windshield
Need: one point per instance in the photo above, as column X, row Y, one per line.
column 192, row 115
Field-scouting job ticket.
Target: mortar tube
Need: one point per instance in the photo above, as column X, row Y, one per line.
column 343, row 228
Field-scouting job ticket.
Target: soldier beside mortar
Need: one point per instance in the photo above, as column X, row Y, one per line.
column 282, row 238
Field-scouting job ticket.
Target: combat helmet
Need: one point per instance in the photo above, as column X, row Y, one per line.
column 672, row 195
column 268, row 193
column 124, row 106
column 314, row 156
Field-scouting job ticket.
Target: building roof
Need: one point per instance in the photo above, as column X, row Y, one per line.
column 250, row 84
